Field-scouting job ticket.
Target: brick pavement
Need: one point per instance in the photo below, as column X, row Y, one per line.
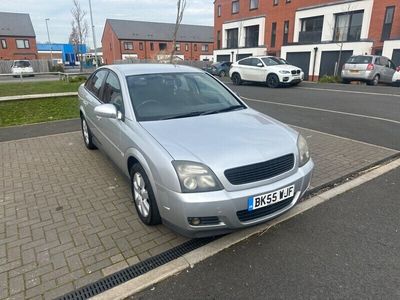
column 67, row 219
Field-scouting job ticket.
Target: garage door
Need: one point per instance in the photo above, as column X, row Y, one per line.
column 396, row 57
column 244, row 55
column 301, row 60
column 226, row 57
column 329, row 59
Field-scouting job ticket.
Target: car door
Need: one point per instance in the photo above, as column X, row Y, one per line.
column 245, row 68
column 384, row 62
column 258, row 70
column 111, row 129
column 93, row 87
column 391, row 70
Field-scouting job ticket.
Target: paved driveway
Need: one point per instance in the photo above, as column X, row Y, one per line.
column 67, row 219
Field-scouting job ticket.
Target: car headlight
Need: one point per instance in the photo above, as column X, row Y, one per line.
column 304, row 152
column 284, row 72
column 195, row 177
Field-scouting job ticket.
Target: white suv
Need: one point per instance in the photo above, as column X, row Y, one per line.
column 274, row 71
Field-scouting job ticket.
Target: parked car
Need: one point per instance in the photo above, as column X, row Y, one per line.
column 371, row 69
column 396, row 77
column 269, row 69
column 23, row 67
column 220, row 69
column 199, row 159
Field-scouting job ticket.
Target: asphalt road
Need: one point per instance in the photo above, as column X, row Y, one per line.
column 364, row 113
column 346, row 248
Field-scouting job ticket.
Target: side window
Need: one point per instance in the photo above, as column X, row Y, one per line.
column 384, row 61
column 392, row 65
column 112, row 92
column 95, row 82
column 245, row 62
column 255, row 62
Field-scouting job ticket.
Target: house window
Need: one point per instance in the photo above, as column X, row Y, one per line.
column 152, row 46
column 348, row 26
column 219, row 10
column 128, row 45
column 273, row 35
column 232, row 38
column 285, row 32
column 387, row 24
column 275, row 2
column 186, row 47
column 140, row 46
column 253, row 4
column 4, row 44
column 178, row 47
column 204, row 48
column 162, row 46
column 252, row 36
column 195, row 47
column 235, row 7
column 288, row 1
column 22, row 44
column 218, row 39
column 311, row 29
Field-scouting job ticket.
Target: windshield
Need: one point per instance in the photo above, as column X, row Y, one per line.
column 272, row 61
column 360, row 59
column 22, row 64
column 178, row 95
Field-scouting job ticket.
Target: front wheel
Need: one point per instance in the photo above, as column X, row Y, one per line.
column 143, row 196
column 236, row 79
column 222, row 74
column 87, row 134
column 273, row 81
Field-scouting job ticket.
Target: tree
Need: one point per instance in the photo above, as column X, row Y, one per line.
column 181, row 5
column 339, row 39
column 80, row 29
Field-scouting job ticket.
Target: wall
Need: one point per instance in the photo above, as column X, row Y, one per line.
column 12, row 53
column 389, row 46
column 111, row 45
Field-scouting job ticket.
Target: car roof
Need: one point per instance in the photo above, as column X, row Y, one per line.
column 142, row 69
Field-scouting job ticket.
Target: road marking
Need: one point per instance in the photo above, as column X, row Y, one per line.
column 324, row 110
column 188, row 260
column 344, row 138
column 351, row 92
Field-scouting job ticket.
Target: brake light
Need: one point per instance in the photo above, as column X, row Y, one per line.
column 370, row 67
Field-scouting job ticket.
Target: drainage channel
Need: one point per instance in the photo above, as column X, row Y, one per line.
column 134, row 271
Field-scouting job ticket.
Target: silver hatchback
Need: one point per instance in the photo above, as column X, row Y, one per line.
column 198, row 158
column 368, row 68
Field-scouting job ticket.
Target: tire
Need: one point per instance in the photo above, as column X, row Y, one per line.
column 273, row 81
column 143, row 196
column 236, row 79
column 374, row 81
column 345, row 81
column 87, row 134
column 222, row 74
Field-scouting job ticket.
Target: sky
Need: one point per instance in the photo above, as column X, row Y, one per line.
column 199, row 12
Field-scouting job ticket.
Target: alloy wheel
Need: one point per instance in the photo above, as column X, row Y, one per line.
column 141, row 194
column 85, row 131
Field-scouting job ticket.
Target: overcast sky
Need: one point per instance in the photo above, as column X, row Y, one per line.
column 59, row 11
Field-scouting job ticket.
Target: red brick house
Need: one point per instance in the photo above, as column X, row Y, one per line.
column 148, row 40
column 17, row 37
column 308, row 33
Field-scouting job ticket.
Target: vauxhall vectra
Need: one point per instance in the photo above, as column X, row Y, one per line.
column 198, row 158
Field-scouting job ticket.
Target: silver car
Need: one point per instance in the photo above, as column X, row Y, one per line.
column 368, row 68
column 198, row 158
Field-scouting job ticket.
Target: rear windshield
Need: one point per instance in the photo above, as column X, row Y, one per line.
column 22, row 64
column 360, row 59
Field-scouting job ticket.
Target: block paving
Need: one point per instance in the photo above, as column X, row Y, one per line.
column 67, row 217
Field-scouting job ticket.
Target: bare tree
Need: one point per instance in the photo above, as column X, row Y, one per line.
column 181, row 5
column 80, row 29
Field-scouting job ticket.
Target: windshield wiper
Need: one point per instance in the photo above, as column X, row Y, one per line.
column 185, row 115
column 230, row 108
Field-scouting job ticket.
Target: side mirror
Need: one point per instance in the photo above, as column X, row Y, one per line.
column 106, row 111
column 260, row 65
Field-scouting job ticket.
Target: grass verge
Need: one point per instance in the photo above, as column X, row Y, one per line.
column 38, row 110
column 40, row 87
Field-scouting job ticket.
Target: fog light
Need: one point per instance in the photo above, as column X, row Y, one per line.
column 194, row 221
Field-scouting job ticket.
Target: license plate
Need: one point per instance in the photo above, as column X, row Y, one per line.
column 354, row 71
column 264, row 200
column 296, row 77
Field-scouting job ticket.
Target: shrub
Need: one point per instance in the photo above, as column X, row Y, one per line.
column 57, row 68
column 79, row 78
column 329, row 79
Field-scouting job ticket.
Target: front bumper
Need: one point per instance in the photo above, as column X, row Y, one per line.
column 359, row 75
column 224, row 205
column 290, row 78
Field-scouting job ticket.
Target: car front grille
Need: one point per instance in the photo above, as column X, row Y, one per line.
column 245, row 215
column 260, row 171
column 294, row 72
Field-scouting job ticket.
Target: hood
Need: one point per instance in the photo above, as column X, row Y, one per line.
column 285, row 67
column 226, row 140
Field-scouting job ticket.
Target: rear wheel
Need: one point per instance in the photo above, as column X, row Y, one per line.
column 273, row 81
column 222, row 74
column 374, row 81
column 236, row 79
column 143, row 196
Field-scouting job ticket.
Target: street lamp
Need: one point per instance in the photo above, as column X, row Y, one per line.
column 93, row 32
column 48, row 36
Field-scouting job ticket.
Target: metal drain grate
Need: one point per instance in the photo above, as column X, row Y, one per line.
column 131, row 272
